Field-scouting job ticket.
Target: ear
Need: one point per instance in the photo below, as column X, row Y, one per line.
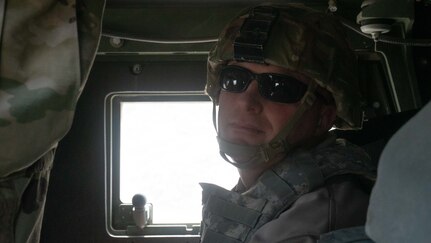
column 328, row 114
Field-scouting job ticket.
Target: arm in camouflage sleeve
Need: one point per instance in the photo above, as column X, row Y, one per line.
column 47, row 49
column 46, row 55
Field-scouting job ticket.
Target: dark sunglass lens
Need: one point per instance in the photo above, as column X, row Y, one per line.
column 282, row 89
column 233, row 79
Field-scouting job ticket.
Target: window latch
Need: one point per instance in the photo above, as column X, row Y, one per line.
column 142, row 212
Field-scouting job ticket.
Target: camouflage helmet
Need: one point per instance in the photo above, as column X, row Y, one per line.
column 299, row 39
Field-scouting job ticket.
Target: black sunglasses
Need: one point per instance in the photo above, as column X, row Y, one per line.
column 272, row 86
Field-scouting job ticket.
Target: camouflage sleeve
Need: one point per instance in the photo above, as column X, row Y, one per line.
column 22, row 201
column 46, row 54
column 46, row 51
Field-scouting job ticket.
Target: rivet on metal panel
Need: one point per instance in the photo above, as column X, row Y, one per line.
column 116, row 42
column 137, row 69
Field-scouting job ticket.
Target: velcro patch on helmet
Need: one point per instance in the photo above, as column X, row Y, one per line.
column 249, row 45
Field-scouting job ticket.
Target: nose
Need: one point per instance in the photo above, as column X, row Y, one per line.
column 250, row 99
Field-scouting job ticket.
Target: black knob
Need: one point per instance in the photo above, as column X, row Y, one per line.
column 139, row 200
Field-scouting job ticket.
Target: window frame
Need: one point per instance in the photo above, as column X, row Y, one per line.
column 119, row 221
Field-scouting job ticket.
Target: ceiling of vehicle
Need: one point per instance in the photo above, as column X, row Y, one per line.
column 186, row 29
column 170, row 20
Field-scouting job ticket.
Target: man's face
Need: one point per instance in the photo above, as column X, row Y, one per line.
column 248, row 118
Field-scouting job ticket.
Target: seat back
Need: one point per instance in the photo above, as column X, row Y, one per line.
column 400, row 209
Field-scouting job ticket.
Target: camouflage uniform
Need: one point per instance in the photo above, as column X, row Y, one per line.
column 311, row 191
column 47, row 49
column 292, row 202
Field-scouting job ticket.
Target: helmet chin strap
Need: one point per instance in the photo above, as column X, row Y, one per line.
column 277, row 148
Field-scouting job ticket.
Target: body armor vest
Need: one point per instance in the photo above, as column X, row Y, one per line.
column 234, row 217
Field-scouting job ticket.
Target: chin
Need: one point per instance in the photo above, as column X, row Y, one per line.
column 252, row 141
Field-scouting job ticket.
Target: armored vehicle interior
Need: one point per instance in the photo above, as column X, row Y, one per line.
column 149, row 73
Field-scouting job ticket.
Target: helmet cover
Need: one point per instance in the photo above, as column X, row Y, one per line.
column 302, row 40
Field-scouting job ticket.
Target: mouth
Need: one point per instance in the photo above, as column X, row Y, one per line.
column 246, row 128
column 242, row 133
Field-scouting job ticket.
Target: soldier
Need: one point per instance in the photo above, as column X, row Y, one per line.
column 282, row 76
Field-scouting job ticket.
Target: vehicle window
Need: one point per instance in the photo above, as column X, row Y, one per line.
column 163, row 146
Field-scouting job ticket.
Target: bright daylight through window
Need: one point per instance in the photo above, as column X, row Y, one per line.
column 167, row 148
